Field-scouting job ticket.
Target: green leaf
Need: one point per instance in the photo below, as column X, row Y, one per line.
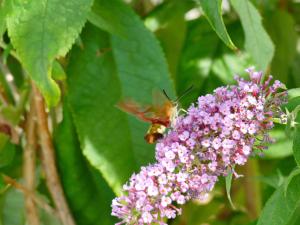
column 296, row 146
column 48, row 219
column 281, row 148
column 88, row 195
column 3, row 185
column 258, row 42
column 13, row 208
column 115, row 144
column 113, row 141
column 294, row 92
column 274, row 180
column 228, row 181
column 170, row 30
column 213, row 12
column 42, row 30
column 94, row 89
column 58, row 72
column 197, row 57
column 106, row 20
column 206, row 62
column 139, row 58
column 292, row 104
column 279, row 24
column 282, row 207
column 3, row 12
column 7, row 150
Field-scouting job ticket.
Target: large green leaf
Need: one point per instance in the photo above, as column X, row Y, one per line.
column 296, row 145
column 3, row 12
column 139, row 58
column 94, row 90
column 213, row 12
column 257, row 42
column 279, row 24
column 42, row 30
column 281, row 208
column 88, row 195
column 111, row 140
column 141, row 67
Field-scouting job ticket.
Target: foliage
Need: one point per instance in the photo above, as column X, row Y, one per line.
column 85, row 56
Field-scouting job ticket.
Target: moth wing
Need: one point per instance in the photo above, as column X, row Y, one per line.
column 142, row 112
column 161, row 104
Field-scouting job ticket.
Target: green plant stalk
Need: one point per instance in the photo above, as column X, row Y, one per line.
column 252, row 189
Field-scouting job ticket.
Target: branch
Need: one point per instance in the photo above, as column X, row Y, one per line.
column 39, row 201
column 48, row 159
column 9, row 80
column 252, row 189
column 29, row 166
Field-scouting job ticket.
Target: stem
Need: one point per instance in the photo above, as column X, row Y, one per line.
column 252, row 189
column 283, row 4
column 39, row 201
column 48, row 159
column 29, row 166
column 8, row 77
column 3, row 98
column 13, row 53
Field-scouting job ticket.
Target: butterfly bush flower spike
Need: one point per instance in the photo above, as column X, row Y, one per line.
column 219, row 131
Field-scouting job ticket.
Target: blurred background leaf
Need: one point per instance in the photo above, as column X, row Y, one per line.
column 257, row 41
column 213, row 12
column 282, row 207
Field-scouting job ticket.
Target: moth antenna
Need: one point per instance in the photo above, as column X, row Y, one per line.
column 165, row 93
column 184, row 93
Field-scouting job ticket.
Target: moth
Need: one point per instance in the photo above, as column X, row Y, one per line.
column 160, row 115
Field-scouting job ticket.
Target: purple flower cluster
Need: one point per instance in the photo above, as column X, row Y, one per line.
column 218, row 132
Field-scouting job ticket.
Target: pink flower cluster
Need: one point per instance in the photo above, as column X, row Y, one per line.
column 218, row 132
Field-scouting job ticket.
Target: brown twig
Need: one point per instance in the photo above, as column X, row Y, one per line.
column 48, row 157
column 29, row 165
column 27, row 192
column 283, row 4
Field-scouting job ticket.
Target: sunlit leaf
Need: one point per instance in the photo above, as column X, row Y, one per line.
column 88, row 195
column 294, row 92
column 58, row 72
column 282, row 146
